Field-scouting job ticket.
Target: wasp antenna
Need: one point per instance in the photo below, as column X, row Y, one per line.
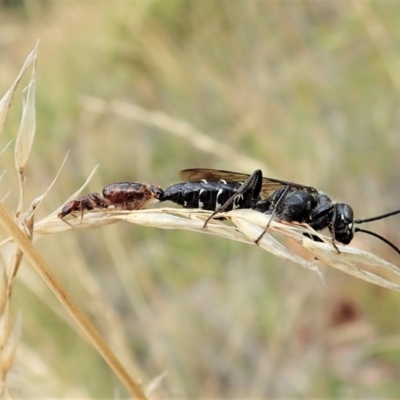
column 379, row 237
column 360, row 221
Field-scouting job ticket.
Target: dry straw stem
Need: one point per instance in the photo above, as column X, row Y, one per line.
column 47, row 275
column 246, row 226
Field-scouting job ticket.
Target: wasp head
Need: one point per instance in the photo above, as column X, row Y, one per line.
column 344, row 223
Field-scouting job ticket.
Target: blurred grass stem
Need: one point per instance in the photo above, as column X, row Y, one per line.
column 173, row 126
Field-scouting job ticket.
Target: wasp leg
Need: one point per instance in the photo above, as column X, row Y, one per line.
column 281, row 198
column 255, row 180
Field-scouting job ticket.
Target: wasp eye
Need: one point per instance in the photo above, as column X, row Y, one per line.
column 348, row 213
column 345, row 213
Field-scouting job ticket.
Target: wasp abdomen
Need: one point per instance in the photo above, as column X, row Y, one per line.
column 205, row 195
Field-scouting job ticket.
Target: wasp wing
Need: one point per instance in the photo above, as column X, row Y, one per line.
column 269, row 185
column 199, row 174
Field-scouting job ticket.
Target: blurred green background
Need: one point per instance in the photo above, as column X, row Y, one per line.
column 306, row 90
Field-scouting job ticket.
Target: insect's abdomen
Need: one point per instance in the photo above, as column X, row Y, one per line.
column 131, row 195
column 205, row 195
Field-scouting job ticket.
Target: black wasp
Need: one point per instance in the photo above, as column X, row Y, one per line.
column 217, row 190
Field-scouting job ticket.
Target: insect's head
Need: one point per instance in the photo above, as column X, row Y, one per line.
column 344, row 223
column 71, row 206
column 345, row 228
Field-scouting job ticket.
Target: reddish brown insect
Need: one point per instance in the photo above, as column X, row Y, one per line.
column 84, row 203
column 121, row 195
column 131, row 195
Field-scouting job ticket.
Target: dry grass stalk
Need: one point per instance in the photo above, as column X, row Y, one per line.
column 247, row 225
column 11, row 254
column 20, row 242
column 47, row 275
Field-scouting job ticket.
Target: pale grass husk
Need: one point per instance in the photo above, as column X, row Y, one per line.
column 6, row 100
column 27, row 129
column 246, row 226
